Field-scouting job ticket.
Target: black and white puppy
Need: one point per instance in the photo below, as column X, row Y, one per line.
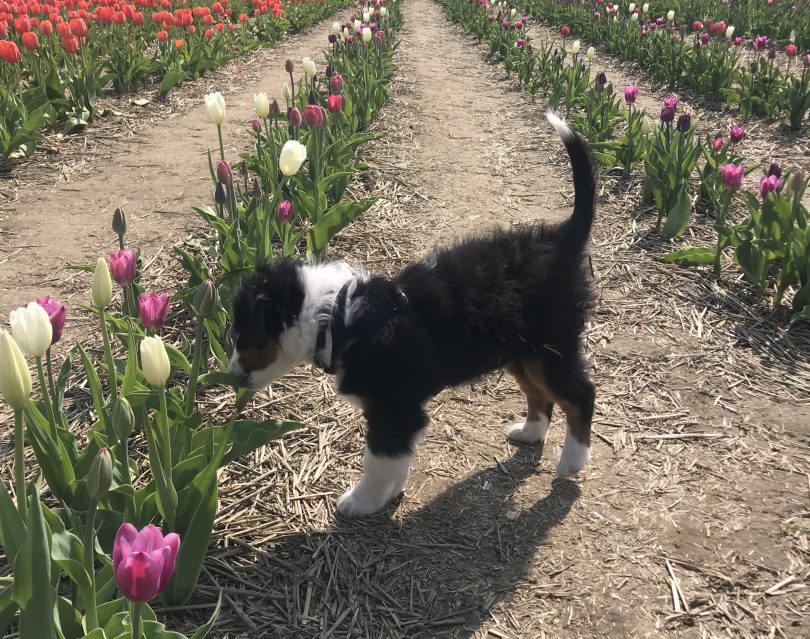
column 516, row 299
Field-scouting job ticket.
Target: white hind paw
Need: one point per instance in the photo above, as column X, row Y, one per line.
column 530, row 431
column 574, row 457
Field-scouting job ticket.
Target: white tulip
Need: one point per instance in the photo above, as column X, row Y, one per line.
column 101, row 288
column 286, row 92
column 729, row 32
column 632, row 7
column 671, row 16
column 31, row 328
column 591, row 53
column 634, row 17
column 513, row 13
column 262, row 103
column 309, row 67
column 15, row 377
column 345, row 32
column 645, row 8
column 357, row 24
column 336, row 27
column 154, row 361
column 366, row 34
column 383, row 12
column 293, row 155
column 575, row 47
column 367, row 16
column 215, row 108
column 615, row 19
column 792, row 37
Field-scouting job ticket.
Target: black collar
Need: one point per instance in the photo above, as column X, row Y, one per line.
column 332, row 318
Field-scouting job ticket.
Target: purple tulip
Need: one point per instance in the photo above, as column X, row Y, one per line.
column 760, row 42
column 256, row 125
column 332, row 38
column 672, row 101
column 775, row 169
column 154, row 309
column 630, row 94
column 122, row 267
column 769, row 184
column 667, row 114
column 284, row 211
column 294, row 117
column 336, row 83
column 684, row 123
column 704, row 38
column 520, row 42
column 143, row 562
column 732, row 175
column 737, row 133
column 717, row 143
column 56, row 313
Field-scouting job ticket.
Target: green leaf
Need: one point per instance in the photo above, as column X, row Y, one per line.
column 8, row 608
column 95, row 386
column 132, row 367
column 12, row 527
column 51, row 454
column 803, row 314
column 245, row 436
column 68, row 552
column 336, row 219
column 203, row 630
column 678, row 216
column 220, row 378
column 690, row 257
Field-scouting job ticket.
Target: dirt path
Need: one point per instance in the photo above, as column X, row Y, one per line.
column 157, row 172
column 697, row 460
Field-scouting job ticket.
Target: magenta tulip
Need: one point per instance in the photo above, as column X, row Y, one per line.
column 294, row 117
column 630, row 94
column 56, row 313
column 769, row 184
column 672, row 101
column 284, row 211
column 122, row 267
column 336, row 83
column 224, row 173
column 717, row 144
column 143, row 562
column 154, row 309
column 737, row 133
column 732, row 175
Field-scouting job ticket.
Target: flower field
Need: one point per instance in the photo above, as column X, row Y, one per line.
column 143, row 493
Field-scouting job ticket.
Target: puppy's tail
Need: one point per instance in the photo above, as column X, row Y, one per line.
column 578, row 226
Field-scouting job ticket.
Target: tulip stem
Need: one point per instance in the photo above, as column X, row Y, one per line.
column 56, row 407
column 191, row 391
column 45, row 398
column 109, row 357
column 91, row 612
column 19, row 465
column 130, row 513
column 221, row 146
column 165, row 449
column 135, row 620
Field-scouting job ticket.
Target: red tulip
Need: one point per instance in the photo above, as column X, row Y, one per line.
column 313, row 116
column 154, row 309
column 790, row 50
column 162, row 36
column 30, row 40
column 224, row 173
column 178, row 43
column 63, row 29
column 123, row 266
column 22, row 25
column 335, row 104
column 565, row 31
column 697, row 25
column 70, row 44
column 56, row 314
column 143, row 562
column 78, row 27
column 9, row 52
column 46, row 28
column 336, row 83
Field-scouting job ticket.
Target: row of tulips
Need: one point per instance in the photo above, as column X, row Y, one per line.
column 56, row 59
column 681, row 170
column 290, row 195
column 143, row 393
column 758, row 75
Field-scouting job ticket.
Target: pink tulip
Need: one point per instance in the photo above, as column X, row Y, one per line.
column 717, row 144
column 284, row 211
column 769, row 184
column 143, row 562
column 336, row 83
column 672, row 101
column 56, row 313
column 122, row 267
column 224, row 173
column 732, row 175
column 154, row 309
column 791, row 50
column 630, row 94
column 737, row 133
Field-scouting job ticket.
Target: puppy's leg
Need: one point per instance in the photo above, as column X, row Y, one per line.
column 570, row 387
column 540, row 407
column 390, row 443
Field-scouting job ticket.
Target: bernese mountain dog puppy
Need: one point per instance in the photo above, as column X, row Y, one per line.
column 517, row 299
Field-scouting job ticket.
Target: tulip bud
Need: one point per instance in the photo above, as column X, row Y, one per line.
column 797, row 181
column 262, row 104
column 274, row 109
column 206, row 299
column 684, row 123
column 15, row 376
column 575, row 47
column 215, row 108
column 99, row 477
column 667, row 114
column 336, row 83
column 671, row 16
column 729, row 32
column 102, row 285
column 220, row 194
column 632, row 7
column 775, row 169
column 336, row 26
column 609, row 89
column 256, row 125
column 634, row 17
column 123, row 419
column 286, row 92
column 224, row 173
column 294, row 117
column 288, row 66
column 284, row 211
column 645, row 8
column 591, row 54
column 119, row 222
column 331, row 38
column 309, row 67
column 293, row 155
column 367, row 35
column 154, row 361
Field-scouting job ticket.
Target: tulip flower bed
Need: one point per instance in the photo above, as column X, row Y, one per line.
column 713, row 59
column 56, row 60
column 771, row 243
column 70, row 552
column 273, row 206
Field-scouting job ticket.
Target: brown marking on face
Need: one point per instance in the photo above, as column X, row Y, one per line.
column 254, row 359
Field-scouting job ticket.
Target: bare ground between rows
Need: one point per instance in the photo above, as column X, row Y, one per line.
column 700, row 456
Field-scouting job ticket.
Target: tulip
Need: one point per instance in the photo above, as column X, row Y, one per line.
column 775, row 169
column 797, row 181
column 732, row 175
column 717, row 144
column 667, row 114
column 224, row 173
column 791, row 50
column 672, row 101
column 729, row 33
column 737, row 133
column 335, row 103
column 262, row 104
column 309, row 67
column 769, row 184
column 313, row 116
column 284, row 211
column 671, row 16
column 206, row 299
column 123, row 265
column 119, row 225
column 332, row 38
column 575, row 47
column 286, row 92
column 591, row 54
column 15, row 377
column 632, row 7
column 31, row 328
column 154, row 361
column 293, row 155
column 684, row 123
column 215, row 108
column 630, row 94
column 704, row 39
column 220, row 193
column 565, row 31
column 645, row 8
column 56, row 315
column 383, row 12
column 101, row 289
column 274, row 108
column 256, row 125
column 123, row 419
column 697, row 25
column 336, row 26
column 154, row 309
column 143, row 562
column 634, row 17
column 336, row 83
column 99, row 477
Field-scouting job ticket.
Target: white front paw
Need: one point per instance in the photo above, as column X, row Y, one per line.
column 529, row 432
column 361, row 502
column 573, row 459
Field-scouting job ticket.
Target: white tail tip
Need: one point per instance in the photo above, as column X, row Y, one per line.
column 562, row 129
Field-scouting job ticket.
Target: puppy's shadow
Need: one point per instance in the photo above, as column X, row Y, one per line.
column 436, row 572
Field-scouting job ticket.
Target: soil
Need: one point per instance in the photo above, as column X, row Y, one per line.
column 693, row 517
